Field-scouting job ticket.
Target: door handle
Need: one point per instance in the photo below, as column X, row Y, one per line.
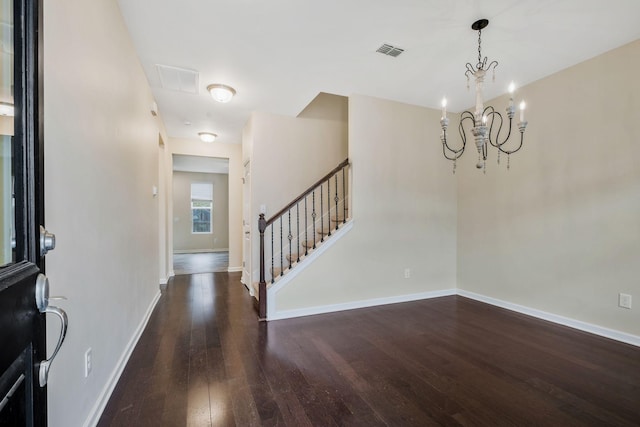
column 42, row 302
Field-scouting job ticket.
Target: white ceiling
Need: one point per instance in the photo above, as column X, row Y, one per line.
column 279, row 54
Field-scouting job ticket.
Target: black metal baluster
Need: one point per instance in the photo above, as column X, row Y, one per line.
column 329, row 204
column 298, row 231
column 313, row 216
column 306, row 226
column 281, row 250
column 290, row 237
column 273, row 279
column 321, row 216
column 344, row 197
column 336, row 200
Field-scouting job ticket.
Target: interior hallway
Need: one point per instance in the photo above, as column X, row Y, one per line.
column 204, row 360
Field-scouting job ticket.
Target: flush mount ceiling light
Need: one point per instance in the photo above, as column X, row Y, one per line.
column 221, row 93
column 486, row 121
column 207, row 136
column 7, row 109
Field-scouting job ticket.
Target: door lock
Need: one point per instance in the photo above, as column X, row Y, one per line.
column 47, row 241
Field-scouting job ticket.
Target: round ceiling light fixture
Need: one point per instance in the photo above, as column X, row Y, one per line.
column 207, row 136
column 221, row 93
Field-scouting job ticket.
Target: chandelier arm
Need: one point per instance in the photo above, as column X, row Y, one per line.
column 519, row 145
column 491, row 112
column 445, row 144
column 492, row 64
column 499, row 144
column 471, row 70
column 454, row 156
column 466, row 115
column 445, row 147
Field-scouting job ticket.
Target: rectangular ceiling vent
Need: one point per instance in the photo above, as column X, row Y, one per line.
column 387, row 49
column 178, row 79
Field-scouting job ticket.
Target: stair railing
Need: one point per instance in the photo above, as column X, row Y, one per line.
column 332, row 189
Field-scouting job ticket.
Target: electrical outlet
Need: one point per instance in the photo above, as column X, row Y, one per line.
column 88, row 362
column 624, row 300
column 407, row 273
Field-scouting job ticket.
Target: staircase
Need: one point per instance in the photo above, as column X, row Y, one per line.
column 299, row 229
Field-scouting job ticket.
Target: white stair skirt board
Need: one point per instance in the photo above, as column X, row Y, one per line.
column 303, row 264
column 103, row 399
column 287, row 314
column 572, row 323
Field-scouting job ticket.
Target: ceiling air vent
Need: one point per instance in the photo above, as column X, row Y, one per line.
column 389, row 50
column 178, row 79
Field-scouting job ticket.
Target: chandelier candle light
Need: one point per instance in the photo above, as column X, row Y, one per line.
column 487, row 122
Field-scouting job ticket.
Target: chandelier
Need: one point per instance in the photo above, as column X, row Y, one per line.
column 487, row 122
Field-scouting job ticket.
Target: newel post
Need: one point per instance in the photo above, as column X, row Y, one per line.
column 262, row 286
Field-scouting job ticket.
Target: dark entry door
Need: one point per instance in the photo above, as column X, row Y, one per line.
column 23, row 242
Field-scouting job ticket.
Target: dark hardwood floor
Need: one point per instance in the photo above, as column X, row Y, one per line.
column 204, row 360
column 203, row 262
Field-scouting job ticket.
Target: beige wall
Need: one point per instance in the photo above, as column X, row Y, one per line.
column 183, row 239
column 559, row 232
column 233, row 152
column 404, row 213
column 289, row 154
column 101, row 163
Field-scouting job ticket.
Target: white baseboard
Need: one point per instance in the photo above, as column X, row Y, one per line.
column 286, row 314
column 572, row 323
column 101, row 403
column 199, row 251
column 234, row 269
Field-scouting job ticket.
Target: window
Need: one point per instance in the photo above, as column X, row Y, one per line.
column 201, row 208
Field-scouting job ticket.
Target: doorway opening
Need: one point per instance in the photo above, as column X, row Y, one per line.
column 200, row 214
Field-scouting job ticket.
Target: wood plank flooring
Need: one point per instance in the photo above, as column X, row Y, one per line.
column 203, row 262
column 204, row 360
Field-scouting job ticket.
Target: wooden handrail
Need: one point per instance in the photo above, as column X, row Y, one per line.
column 307, row 192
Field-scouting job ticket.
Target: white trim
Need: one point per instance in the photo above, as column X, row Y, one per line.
column 572, row 323
column 234, row 269
column 286, row 314
column 199, row 251
column 164, row 280
column 171, row 274
column 101, row 403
